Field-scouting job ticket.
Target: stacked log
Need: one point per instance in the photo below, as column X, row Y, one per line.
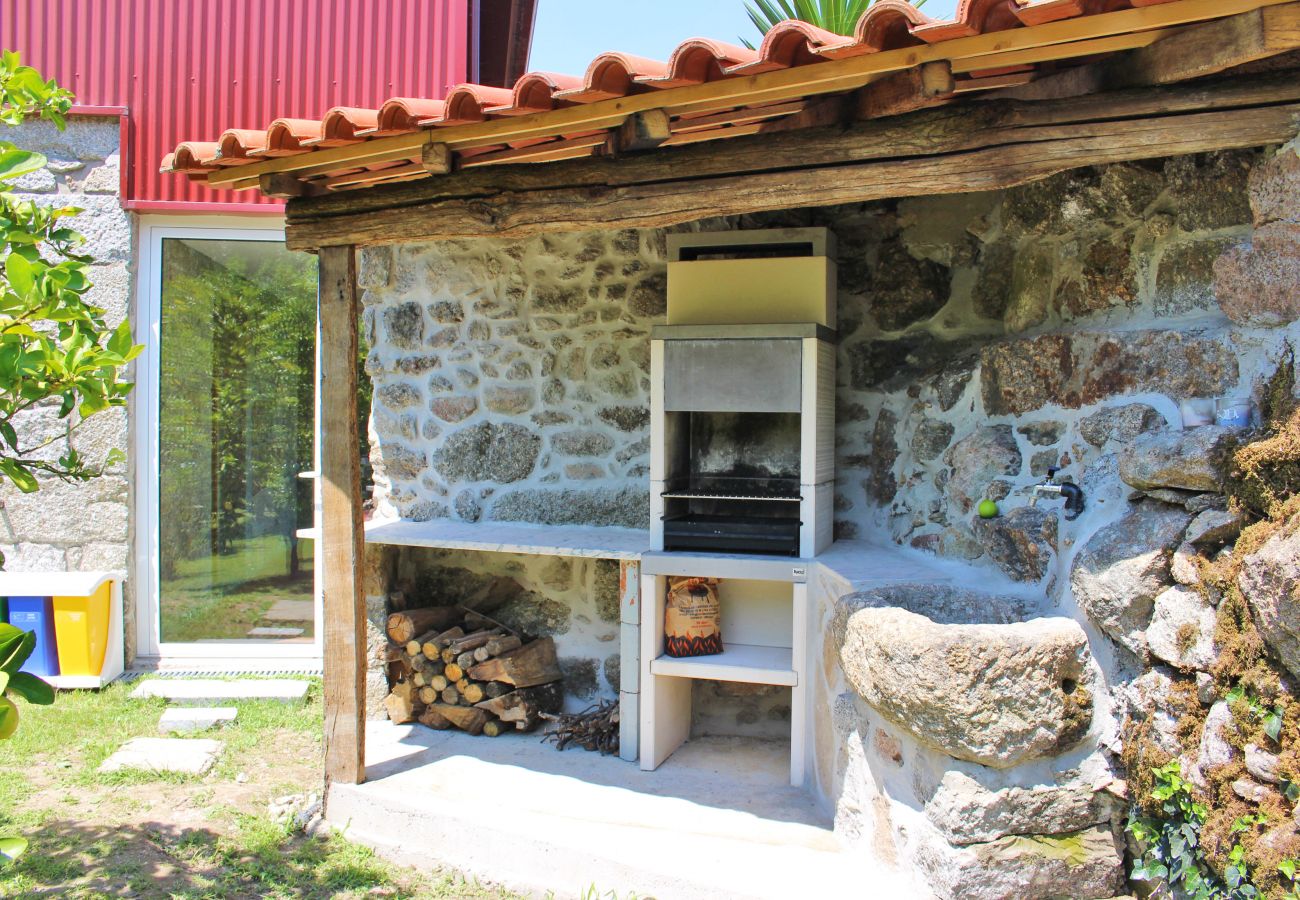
column 449, row 667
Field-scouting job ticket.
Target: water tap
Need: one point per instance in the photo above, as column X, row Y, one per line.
column 1072, row 493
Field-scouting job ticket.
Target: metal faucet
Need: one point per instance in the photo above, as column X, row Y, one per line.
column 1072, row 493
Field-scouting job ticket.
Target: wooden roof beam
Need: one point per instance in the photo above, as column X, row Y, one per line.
column 949, row 150
column 1192, row 52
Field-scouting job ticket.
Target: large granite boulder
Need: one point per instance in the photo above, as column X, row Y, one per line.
column 1122, row 568
column 1270, row 582
column 968, row 812
column 1082, row 865
column 1185, row 460
column 994, row 694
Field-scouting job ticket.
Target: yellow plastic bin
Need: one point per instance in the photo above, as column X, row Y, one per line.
column 81, row 627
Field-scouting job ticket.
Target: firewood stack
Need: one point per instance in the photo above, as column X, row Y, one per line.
column 450, row 667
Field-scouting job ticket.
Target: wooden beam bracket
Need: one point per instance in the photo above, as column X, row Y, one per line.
column 643, row 131
column 436, row 158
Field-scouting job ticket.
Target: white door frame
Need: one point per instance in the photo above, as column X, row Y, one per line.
column 150, row 648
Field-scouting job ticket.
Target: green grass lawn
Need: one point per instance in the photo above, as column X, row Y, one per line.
column 131, row 834
column 221, row 597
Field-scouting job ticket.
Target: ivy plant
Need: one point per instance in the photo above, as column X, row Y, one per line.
column 15, row 646
column 1172, row 860
column 57, row 355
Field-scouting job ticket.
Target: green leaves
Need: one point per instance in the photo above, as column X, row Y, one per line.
column 23, row 93
column 15, row 162
column 11, row 847
column 31, row 688
column 836, row 16
column 15, row 646
column 54, row 346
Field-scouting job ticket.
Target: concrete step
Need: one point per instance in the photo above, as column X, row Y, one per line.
column 187, row 756
column 717, row 820
column 264, row 632
column 214, row 692
column 183, row 720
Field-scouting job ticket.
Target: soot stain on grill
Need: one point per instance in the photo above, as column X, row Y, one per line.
column 745, row 445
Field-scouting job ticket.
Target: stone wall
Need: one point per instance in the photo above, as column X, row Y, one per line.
column 511, row 378
column 78, row 526
column 983, row 339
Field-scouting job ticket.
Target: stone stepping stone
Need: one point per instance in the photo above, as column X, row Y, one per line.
column 275, row 632
column 291, row 611
column 182, row 720
column 189, row 756
column 214, row 692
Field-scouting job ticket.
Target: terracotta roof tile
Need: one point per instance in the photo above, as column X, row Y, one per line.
column 285, row 137
column 888, row 25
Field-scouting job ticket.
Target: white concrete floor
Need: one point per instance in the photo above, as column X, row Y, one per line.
column 717, row 820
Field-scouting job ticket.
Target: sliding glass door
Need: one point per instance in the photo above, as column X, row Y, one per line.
column 236, row 327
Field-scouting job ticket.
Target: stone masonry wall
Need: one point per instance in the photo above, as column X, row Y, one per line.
column 78, row 526
column 511, row 378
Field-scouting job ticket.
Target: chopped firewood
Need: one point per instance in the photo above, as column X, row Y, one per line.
column 417, row 679
column 450, row 695
column 432, row 667
column 503, row 644
column 448, row 655
column 433, row 647
column 498, row 689
column 466, row 718
column 466, row 659
column 435, row 719
column 404, row 626
column 525, row 666
column 497, row 646
column 462, row 685
column 471, row 641
column 391, row 652
column 400, row 703
column 525, row 706
column 428, row 695
column 473, row 692
column 413, row 648
column 595, row 728
column 453, row 672
column 439, row 682
column 493, row 727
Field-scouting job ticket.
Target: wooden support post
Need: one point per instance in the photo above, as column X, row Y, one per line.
column 342, row 543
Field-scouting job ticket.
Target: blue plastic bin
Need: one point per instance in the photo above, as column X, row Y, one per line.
column 37, row 614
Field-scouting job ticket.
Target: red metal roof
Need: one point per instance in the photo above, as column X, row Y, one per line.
column 990, row 44
column 186, row 67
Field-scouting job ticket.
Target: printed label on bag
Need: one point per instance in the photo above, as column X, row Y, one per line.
column 692, row 618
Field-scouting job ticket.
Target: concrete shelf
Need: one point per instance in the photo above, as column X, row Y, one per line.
column 737, row 662
column 513, row 537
